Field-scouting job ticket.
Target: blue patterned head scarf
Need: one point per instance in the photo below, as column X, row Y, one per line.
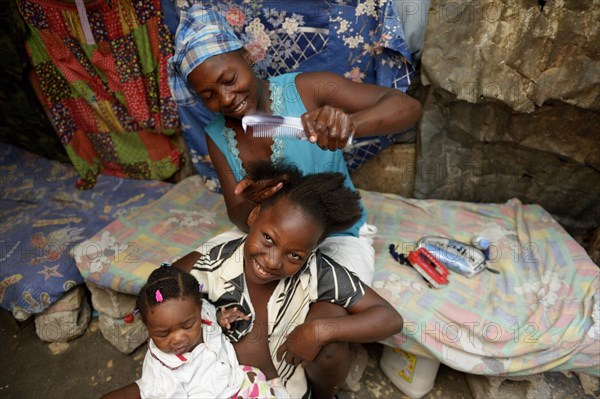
column 201, row 34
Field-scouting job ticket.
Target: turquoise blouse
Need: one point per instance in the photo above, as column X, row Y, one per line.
column 308, row 157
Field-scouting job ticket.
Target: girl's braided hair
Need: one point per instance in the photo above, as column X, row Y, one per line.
column 172, row 283
column 323, row 196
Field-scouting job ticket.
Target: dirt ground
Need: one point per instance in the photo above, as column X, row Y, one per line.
column 89, row 366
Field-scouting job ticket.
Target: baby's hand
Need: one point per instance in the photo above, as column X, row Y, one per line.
column 228, row 316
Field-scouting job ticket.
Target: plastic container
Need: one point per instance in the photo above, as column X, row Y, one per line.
column 457, row 256
column 413, row 375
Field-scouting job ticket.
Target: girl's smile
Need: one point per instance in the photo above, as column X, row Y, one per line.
column 262, row 271
column 281, row 239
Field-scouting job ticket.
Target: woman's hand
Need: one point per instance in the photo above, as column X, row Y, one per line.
column 303, row 344
column 228, row 316
column 329, row 127
column 258, row 191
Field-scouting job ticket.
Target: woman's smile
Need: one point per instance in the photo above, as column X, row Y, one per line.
column 227, row 85
column 239, row 108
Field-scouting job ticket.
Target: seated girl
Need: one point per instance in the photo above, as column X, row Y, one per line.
column 276, row 273
column 188, row 356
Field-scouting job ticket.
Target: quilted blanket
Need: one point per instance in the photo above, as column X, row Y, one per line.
column 43, row 215
column 539, row 314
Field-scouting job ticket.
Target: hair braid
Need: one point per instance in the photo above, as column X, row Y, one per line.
column 172, row 284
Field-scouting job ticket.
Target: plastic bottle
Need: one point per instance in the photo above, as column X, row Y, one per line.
column 482, row 243
column 413, row 375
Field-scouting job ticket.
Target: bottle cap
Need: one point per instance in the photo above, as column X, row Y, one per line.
column 481, row 242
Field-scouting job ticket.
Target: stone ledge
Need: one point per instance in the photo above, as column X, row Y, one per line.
column 66, row 319
column 530, row 387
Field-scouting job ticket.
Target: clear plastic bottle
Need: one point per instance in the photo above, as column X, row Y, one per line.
column 483, row 244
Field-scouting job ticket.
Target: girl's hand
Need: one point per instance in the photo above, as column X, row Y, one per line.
column 302, row 345
column 228, row 316
column 258, row 191
column 329, row 127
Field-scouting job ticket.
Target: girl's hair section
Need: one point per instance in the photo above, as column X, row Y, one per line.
column 324, row 196
column 165, row 283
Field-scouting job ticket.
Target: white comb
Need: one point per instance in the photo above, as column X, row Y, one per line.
column 277, row 126
column 274, row 126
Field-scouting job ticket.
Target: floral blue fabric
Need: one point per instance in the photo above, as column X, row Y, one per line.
column 361, row 40
column 43, row 216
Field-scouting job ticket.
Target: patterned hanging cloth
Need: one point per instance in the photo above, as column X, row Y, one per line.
column 103, row 81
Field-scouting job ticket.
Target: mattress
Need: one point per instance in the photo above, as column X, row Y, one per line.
column 539, row 314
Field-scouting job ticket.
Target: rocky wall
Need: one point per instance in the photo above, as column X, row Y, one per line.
column 513, row 106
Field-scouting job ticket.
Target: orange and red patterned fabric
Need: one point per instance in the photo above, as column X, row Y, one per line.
column 108, row 98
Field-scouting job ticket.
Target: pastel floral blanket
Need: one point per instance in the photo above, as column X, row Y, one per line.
column 539, row 314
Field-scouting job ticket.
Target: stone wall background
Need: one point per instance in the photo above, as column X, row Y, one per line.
column 511, row 99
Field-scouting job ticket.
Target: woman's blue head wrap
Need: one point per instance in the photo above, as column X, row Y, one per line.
column 201, row 34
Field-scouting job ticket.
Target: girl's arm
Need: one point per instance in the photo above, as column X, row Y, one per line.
column 371, row 319
column 338, row 106
column 131, row 391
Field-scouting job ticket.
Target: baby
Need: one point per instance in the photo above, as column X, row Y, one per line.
column 188, row 356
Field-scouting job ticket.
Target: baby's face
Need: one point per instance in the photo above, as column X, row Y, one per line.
column 280, row 241
column 175, row 325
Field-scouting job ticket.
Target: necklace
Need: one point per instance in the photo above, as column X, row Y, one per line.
column 278, row 146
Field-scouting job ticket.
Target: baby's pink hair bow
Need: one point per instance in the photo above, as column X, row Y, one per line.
column 158, row 296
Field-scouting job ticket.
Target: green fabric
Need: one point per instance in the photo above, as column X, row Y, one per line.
column 144, row 51
column 37, row 48
column 83, row 90
column 81, row 164
column 129, row 147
